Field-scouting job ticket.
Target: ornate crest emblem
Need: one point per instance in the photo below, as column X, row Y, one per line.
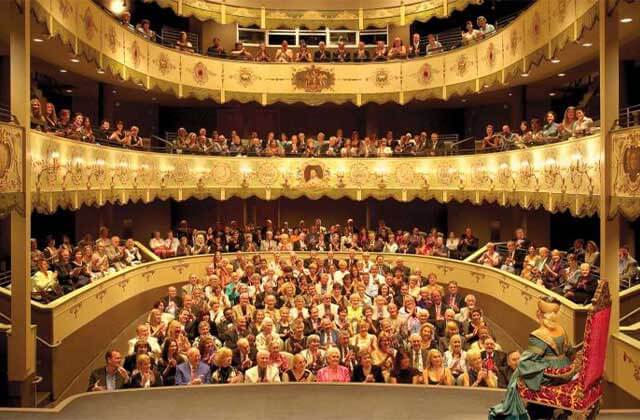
column 136, row 53
column 245, row 76
column 491, row 55
column 514, row 42
column 426, row 74
column 312, row 79
column 111, row 38
column 200, row 73
column 480, row 174
column 313, row 173
column 65, row 8
column 221, row 173
column 504, row 173
column 359, row 173
column 89, row 23
column 381, row 78
column 631, row 162
column 267, row 173
column 462, row 65
column 165, row 66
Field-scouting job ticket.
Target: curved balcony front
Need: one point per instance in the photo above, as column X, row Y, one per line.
column 557, row 177
column 351, row 15
column 540, row 32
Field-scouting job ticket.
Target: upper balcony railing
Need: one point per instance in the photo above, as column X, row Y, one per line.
column 396, row 13
column 541, row 31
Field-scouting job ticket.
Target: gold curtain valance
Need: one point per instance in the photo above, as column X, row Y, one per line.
column 70, row 174
column 541, row 30
column 402, row 13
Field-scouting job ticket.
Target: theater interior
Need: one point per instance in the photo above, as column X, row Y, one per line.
column 323, row 209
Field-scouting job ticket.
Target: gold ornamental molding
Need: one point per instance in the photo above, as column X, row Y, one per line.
column 626, row 176
column 11, row 143
column 539, row 32
column 557, row 177
column 402, row 13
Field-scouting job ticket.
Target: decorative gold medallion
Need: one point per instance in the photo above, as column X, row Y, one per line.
column 312, row 79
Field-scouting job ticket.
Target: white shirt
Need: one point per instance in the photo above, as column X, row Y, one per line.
column 252, row 376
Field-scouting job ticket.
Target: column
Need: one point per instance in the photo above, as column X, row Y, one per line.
column 609, row 110
column 22, row 349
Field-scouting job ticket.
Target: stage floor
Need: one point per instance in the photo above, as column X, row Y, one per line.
column 278, row 401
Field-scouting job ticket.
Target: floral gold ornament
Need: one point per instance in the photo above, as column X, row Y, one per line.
column 8, row 158
column 313, row 79
column 536, row 25
column 222, row 173
column 562, row 9
column 359, row 174
column 112, row 40
column 267, row 174
column 90, row 27
column 381, row 78
column 462, row 65
column 245, row 76
column 514, row 41
column 636, row 366
column 66, row 8
column 200, row 73
column 164, row 64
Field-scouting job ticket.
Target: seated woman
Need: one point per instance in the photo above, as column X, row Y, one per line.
column 144, row 376
column 402, row 372
column 132, row 253
column 435, row 372
column 225, row 373
column 491, row 257
column 169, row 360
column 550, row 276
column 239, row 52
column 550, row 130
column 86, row 131
column 262, row 55
column 548, row 349
column 303, row 55
column 397, row 50
column 313, row 355
column 157, row 328
column 50, row 117
column 592, row 254
column 365, row 370
column 334, row 372
column 476, row 374
column 119, row 135
column 470, row 34
column 183, row 43
column 384, row 355
column 38, row 121
column 363, row 340
column 44, row 283
column 455, row 358
column 276, row 358
column 490, row 141
column 565, row 129
column 299, row 372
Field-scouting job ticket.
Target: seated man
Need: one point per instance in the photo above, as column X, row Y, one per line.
column 263, row 372
column 505, row 372
column 110, row 377
column 142, row 334
column 193, row 371
column 627, row 266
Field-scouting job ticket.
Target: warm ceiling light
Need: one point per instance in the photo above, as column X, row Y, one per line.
column 100, row 71
column 117, row 6
column 38, row 40
column 510, row 94
column 75, row 60
column 525, row 75
column 587, row 44
column 561, row 74
column 552, row 94
column 485, row 86
column 115, row 91
column 464, row 100
column 626, row 20
column 153, row 99
column 69, row 90
column 555, row 60
column 63, row 70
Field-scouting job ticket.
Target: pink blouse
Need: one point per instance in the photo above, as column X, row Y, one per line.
column 327, row 374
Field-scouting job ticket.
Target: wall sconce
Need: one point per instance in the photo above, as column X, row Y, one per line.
column 246, row 172
column 425, row 180
column 551, row 170
column 285, row 178
column 74, row 172
column 140, row 172
column 201, row 176
column 166, row 173
column 120, row 172
column 340, row 175
column 97, row 171
column 50, row 167
column 380, row 172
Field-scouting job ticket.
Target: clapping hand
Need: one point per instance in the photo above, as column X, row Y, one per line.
column 97, row 386
column 197, row 380
column 123, row 372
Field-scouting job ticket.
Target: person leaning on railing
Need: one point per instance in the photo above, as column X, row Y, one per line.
column 239, row 52
column 470, row 34
column 490, row 141
column 361, row 54
column 38, row 121
column 144, row 28
column 183, row 44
